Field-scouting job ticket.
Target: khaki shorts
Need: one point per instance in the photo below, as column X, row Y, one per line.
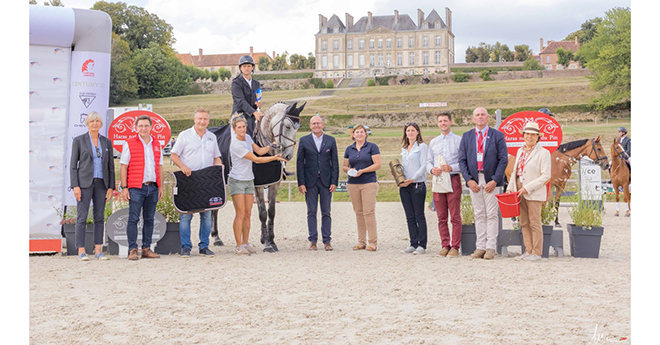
column 240, row 187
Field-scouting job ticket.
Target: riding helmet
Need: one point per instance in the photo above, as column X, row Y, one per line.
column 245, row 59
column 546, row 111
column 623, row 129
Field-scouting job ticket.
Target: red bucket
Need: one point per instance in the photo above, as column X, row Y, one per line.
column 509, row 204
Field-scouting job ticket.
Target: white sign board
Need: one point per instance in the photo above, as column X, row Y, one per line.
column 433, row 104
column 590, row 180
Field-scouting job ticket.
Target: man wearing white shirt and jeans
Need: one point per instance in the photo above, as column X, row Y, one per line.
column 196, row 148
column 447, row 145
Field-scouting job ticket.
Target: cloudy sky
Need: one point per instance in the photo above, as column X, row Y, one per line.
column 234, row 26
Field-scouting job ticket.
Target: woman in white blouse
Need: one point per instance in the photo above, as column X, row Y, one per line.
column 413, row 190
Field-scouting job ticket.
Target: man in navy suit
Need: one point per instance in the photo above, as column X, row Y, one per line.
column 483, row 158
column 318, row 174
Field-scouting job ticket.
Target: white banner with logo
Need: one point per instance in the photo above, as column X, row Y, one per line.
column 49, row 99
column 590, row 180
column 90, row 91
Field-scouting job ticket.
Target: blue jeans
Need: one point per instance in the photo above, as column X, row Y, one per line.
column 144, row 199
column 204, row 229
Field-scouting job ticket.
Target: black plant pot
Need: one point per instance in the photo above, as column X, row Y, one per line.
column 468, row 239
column 584, row 243
column 171, row 242
column 70, row 234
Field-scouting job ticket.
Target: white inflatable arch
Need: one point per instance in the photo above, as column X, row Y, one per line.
column 69, row 77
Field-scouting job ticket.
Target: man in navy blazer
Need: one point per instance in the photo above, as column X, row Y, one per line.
column 318, row 174
column 483, row 158
column 243, row 89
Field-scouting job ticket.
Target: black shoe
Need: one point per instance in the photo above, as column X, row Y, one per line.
column 185, row 253
column 206, row 252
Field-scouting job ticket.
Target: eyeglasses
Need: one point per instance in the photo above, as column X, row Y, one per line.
column 411, row 124
column 98, row 152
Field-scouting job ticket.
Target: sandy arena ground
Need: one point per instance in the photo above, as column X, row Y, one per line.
column 339, row 297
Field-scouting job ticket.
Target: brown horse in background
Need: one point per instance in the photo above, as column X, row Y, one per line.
column 620, row 175
column 562, row 161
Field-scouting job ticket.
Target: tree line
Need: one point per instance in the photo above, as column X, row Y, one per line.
column 143, row 60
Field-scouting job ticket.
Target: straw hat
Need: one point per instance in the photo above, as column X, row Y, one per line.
column 532, row 127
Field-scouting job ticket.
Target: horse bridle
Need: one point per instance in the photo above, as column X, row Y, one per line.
column 280, row 135
column 593, row 150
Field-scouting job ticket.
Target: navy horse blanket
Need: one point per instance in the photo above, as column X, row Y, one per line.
column 203, row 190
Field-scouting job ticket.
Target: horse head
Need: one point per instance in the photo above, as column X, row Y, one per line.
column 597, row 153
column 617, row 150
column 284, row 125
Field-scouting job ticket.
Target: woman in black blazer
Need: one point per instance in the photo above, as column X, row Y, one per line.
column 92, row 178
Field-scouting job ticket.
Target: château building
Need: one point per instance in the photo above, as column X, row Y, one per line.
column 384, row 45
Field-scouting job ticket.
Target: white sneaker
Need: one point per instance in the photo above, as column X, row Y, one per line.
column 419, row 250
column 533, row 257
column 521, row 257
column 409, row 250
column 249, row 248
column 240, row 250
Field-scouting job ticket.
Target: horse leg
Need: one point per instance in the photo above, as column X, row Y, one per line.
column 261, row 205
column 626, row 197
column 557, row 197
column 272, row 201
column 214, row 230
column 616, row 197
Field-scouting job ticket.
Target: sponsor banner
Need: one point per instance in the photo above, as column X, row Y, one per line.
column 89, row 91
column 590, row 180
column 123, row 127
column 512, row 125
column 49, row 99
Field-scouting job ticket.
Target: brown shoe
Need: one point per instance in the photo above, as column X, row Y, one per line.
column 453, row 253
column 490, row 254
column 312, row 245
column 478, row 254
column 328, row 247
column 147, row 253
column 444, row 252
column 133, row 254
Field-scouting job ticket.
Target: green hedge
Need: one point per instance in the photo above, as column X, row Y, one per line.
column 298, row 75
column 479, row 69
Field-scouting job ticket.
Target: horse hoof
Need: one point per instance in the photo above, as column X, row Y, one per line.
column 269, row 250
column 616, row 214
column 275, row 247
column 627, row 214
column 218, row 243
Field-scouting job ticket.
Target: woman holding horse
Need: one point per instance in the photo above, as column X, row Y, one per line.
column 413, row 190
column 361, row 160
column 532, row 171
column 241, row 181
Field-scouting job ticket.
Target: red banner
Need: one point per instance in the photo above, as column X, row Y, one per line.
column 512, row 125
column 123, row 127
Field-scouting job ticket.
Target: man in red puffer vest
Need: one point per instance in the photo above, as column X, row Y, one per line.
column 141, row 176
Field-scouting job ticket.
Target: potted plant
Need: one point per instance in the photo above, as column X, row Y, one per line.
column 548, row 214
column 585, row 232
column 468, row 233
column 170, row 243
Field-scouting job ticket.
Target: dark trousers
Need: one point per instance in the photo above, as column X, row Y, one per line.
column 318, row 194
column 144, row 199
column 413, row 198
column 94, row 193
column 450, row 204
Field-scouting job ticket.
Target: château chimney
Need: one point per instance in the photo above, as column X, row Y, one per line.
column 322, row 21
column 200, row 52
column 251, row 50
column 541, row 46
column 396, row 17
column 369, row 18
column 448, row 17
column 349, row 21
column 420, row 18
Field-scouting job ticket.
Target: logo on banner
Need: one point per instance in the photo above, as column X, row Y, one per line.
column 123, row 127
column 512, row 125
column 83, row 117
column 88, row 68
column 87, row 98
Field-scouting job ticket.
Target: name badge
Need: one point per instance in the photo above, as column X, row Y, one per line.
column 480, row 157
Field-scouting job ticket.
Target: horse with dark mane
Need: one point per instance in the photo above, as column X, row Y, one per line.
column 277, row 129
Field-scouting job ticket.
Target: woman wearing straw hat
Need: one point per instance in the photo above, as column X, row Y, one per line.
column 532, row 172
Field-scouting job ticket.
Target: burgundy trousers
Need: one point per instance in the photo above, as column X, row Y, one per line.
column 449, row 204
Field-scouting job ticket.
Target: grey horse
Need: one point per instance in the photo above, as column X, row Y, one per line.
column 277, row 129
